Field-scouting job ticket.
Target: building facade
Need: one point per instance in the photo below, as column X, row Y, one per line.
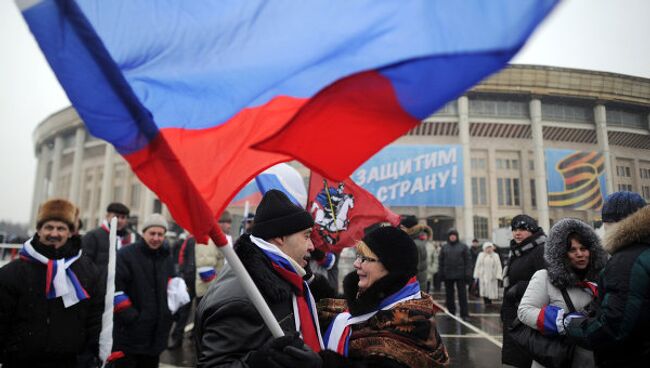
column 505, row 127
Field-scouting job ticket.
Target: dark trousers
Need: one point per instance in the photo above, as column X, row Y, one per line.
column 137, row 361
column 181, row 317
column 462, row 296
column 437, row 281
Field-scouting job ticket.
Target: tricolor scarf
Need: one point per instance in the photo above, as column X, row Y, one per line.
column 337, row 337
column 304, row 306
column 60, row 280
column 123, row 240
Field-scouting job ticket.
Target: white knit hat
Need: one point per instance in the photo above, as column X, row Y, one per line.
column 155, row 219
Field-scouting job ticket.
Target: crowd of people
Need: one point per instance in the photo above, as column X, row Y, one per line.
column 584, row 300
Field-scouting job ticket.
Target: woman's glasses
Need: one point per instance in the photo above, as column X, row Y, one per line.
column 364, row 259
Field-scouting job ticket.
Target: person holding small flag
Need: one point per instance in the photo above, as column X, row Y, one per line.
column 50, row 310
column 385, row 320
column 229, row 331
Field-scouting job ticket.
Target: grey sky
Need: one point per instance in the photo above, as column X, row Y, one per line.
column 606, row 35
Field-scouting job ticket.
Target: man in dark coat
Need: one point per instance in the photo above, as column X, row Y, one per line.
column 526, row 258
column 49, row 307
column 95, row 242
column 618, row 328
column 229, row 332
column 142, row 316
column 455, row 266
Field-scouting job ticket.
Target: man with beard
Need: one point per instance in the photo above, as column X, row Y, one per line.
column 229, row 331
column 50, row 310
column 526, row 258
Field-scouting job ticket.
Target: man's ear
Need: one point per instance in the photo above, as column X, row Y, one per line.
column 277, row 241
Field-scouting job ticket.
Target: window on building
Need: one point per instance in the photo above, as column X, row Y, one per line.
column 135, row 194
column 645, row 192
column 625, row 187
column 574, row 113
column 623, row 171
column 531, row 165
column 478, row 164
column 117, row 193
column 533, row 193
column 508, row 191
column 644, row 173
column 157, row 206
column 505, row 222
column 626, row 118
column 479, row 191
column 481, row 227
column 498, row 108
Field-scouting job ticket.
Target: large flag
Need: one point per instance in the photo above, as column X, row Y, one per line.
column 341, row 212
column 201, row 96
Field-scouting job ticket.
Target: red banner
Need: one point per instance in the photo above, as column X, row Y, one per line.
column 341, row 210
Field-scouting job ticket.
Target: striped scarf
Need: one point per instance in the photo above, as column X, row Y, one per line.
column 337, row 337
column 122, row 240
column 60, row 280
column 304, row 305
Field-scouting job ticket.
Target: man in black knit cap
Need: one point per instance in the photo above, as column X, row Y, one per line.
column 228, row 329
column 526, row 258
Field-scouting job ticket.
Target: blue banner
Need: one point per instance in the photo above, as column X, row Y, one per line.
column 415, row 175
column 575, row 179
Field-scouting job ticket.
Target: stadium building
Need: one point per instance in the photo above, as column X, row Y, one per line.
column 546, row 141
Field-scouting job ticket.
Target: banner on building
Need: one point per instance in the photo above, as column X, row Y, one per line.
column 576, row 179
column 415, row 175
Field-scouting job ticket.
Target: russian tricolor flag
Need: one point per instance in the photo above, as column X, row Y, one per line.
column 201, row 96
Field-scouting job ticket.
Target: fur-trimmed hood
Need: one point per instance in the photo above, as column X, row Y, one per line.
column 631, row 230
column 555, row 253
column 417, row 229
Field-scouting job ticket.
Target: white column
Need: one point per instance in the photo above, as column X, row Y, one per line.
column 463, row 133
column 107, row 179
column 42, row 158
column 492, row 187
column 525, row 181
column 540, row 164
column 600, row 115
column 56, row 165
column 75, row 180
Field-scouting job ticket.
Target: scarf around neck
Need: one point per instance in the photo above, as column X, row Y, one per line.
column 337, row 337
column 303, row 302
column 60, row 280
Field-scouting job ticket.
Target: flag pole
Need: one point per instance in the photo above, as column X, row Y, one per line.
column 246, row 282
column 106, row 334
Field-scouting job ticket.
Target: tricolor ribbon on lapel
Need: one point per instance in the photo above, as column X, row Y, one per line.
column 304, row 305
column 60, row 280
column 337, row 337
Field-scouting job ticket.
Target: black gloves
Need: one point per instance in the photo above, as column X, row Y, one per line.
column 285, row 352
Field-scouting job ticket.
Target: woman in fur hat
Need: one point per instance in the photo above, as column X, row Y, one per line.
column 574, row 257
column 488, row 271
column 385, row 320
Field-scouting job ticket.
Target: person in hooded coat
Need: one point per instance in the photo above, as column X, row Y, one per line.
column 455, row 267
column 488, row 272
column 617, row 328
column 574, row 257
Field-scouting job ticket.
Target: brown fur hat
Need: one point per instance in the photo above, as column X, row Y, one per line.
column 59, row 210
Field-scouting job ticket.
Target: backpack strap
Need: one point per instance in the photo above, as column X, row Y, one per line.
column 567, row 300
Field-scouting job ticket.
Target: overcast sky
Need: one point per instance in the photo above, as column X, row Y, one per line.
column 606, row 35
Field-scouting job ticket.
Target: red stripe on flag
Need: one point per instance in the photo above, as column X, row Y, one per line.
column 356, row 116
column 210, row 165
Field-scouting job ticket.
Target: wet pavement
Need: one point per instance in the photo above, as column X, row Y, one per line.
column 475, row 343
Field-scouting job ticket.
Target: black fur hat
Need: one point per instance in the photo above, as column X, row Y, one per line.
column 395, row 249
column 277, row 216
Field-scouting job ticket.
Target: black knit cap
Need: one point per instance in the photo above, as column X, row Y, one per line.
column 524, row 222
column 408, row 221
column 395, row 249
column 118, row 208
column 277, row 216
column 620, row 205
